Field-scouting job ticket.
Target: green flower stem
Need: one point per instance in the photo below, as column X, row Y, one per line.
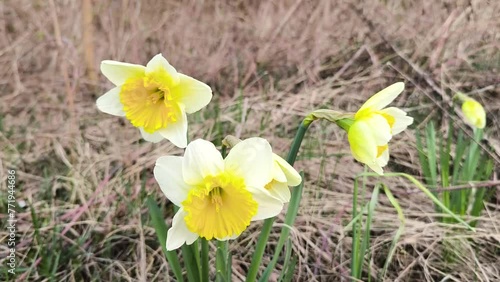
column 204, row 260
column 221, row 260
column 190, row 263
column 268, row 223
column 355, row 227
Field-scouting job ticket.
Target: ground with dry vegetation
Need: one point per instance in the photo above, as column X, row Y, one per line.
column 84, row 175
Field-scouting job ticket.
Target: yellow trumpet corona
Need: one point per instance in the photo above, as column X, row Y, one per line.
column 474, row 112
column 373, row 127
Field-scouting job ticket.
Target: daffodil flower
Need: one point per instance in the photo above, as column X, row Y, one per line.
column 284, row 175
column 217, row 198
column 373, row 127
column 155, row 98
column 473, row 111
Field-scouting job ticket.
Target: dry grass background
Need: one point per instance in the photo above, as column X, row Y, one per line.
column 84, row 174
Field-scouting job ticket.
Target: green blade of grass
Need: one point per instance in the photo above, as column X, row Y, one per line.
column 444, row 155
column 432, row 155
column 221, row 266
column 355, row 231
column 161, row 232
column 293, row 208
column 401, row 217
column 431, row 196
column 365, row 244
column 291, row 269
column 205, row 268
column 424, row 162
column 288, row 254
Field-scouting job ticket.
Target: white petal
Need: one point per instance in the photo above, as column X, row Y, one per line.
column 159, row 65
column 268, row 206
column 380, row 129
column 193, row 94
column 201, row 159
column 176, row 132
column 179, row 234
column 280, row 191
column 292, row 176
column 384, row 158
column 110, row 103
column 383, row 97
column 251, row 159
column 154, row 137
column 376, row 167
column 168, row 174
column 278, row 173
column 401, row 120
column 118, row 72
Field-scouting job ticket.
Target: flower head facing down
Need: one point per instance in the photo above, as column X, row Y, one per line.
column 155, row 98
column 374, row 125
column 474, row 112
column 218, row 198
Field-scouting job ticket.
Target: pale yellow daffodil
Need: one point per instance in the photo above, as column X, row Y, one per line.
column 284, row 175
column 373, row 127
column 473, row 111
column 154, row 98
column 217, row 198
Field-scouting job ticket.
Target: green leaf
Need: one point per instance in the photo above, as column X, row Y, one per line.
column 161, row 232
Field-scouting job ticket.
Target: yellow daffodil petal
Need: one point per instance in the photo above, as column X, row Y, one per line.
column 179, row 234
column 201, row 160
column 400, row 119
column 252, row 160
column 292, row 176
column 154, row 137
column 193, row 94
column 168, row 173
column 118, row 72
column 110, row 103
column 474, row 113
column 382, row 98
column 363, row 145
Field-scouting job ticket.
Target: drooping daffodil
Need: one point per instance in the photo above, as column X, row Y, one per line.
column 217, row 198
column 474, row 112
column 154, row 98
column 374, row 125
